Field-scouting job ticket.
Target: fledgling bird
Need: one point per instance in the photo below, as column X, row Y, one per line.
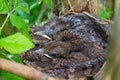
column 57, row 49
column 69, row 42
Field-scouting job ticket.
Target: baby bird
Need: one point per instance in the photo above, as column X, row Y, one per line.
column 68, row 43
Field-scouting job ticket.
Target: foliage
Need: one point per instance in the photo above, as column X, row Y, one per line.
column 106, row 13
column 13, row 40
column 15, row 18
column 7, row 76
column 16, row 43
column 4, row 7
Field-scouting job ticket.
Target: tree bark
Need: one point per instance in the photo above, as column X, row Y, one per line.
column 113, row 61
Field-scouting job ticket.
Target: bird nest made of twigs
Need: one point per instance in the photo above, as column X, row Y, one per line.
column 70, row 47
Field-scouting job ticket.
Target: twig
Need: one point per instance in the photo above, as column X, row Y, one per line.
column 71, row 7
column 41, row 13
column 55, row 8
column 23, row 71
column 70, row 10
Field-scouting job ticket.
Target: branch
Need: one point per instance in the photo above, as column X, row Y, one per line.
column 23, row 71
column 55, row 8
column 113, row 56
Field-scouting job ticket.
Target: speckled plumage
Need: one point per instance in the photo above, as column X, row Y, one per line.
column 73, row 46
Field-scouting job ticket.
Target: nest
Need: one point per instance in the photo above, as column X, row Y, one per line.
column 69, row 47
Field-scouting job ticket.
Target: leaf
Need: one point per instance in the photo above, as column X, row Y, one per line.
column 19, row 23
column 16, row 44
column 35, row 5
column 22, row 7
column 48, row 3
column 4, row 6
column 106, row 14
column 4, row 75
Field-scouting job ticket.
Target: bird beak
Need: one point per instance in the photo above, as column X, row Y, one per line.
column 46, row 55
column 43, row 35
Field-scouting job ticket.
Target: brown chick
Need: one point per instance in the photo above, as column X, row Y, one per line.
column 57, row 49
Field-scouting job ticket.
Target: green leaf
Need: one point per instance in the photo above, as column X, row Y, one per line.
column 16, row 44
column 35, row 5
column 4, row 6
column 4, row 75
column 22, row 6
column 48, row 3
column 106, row 14
column 19, row 23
